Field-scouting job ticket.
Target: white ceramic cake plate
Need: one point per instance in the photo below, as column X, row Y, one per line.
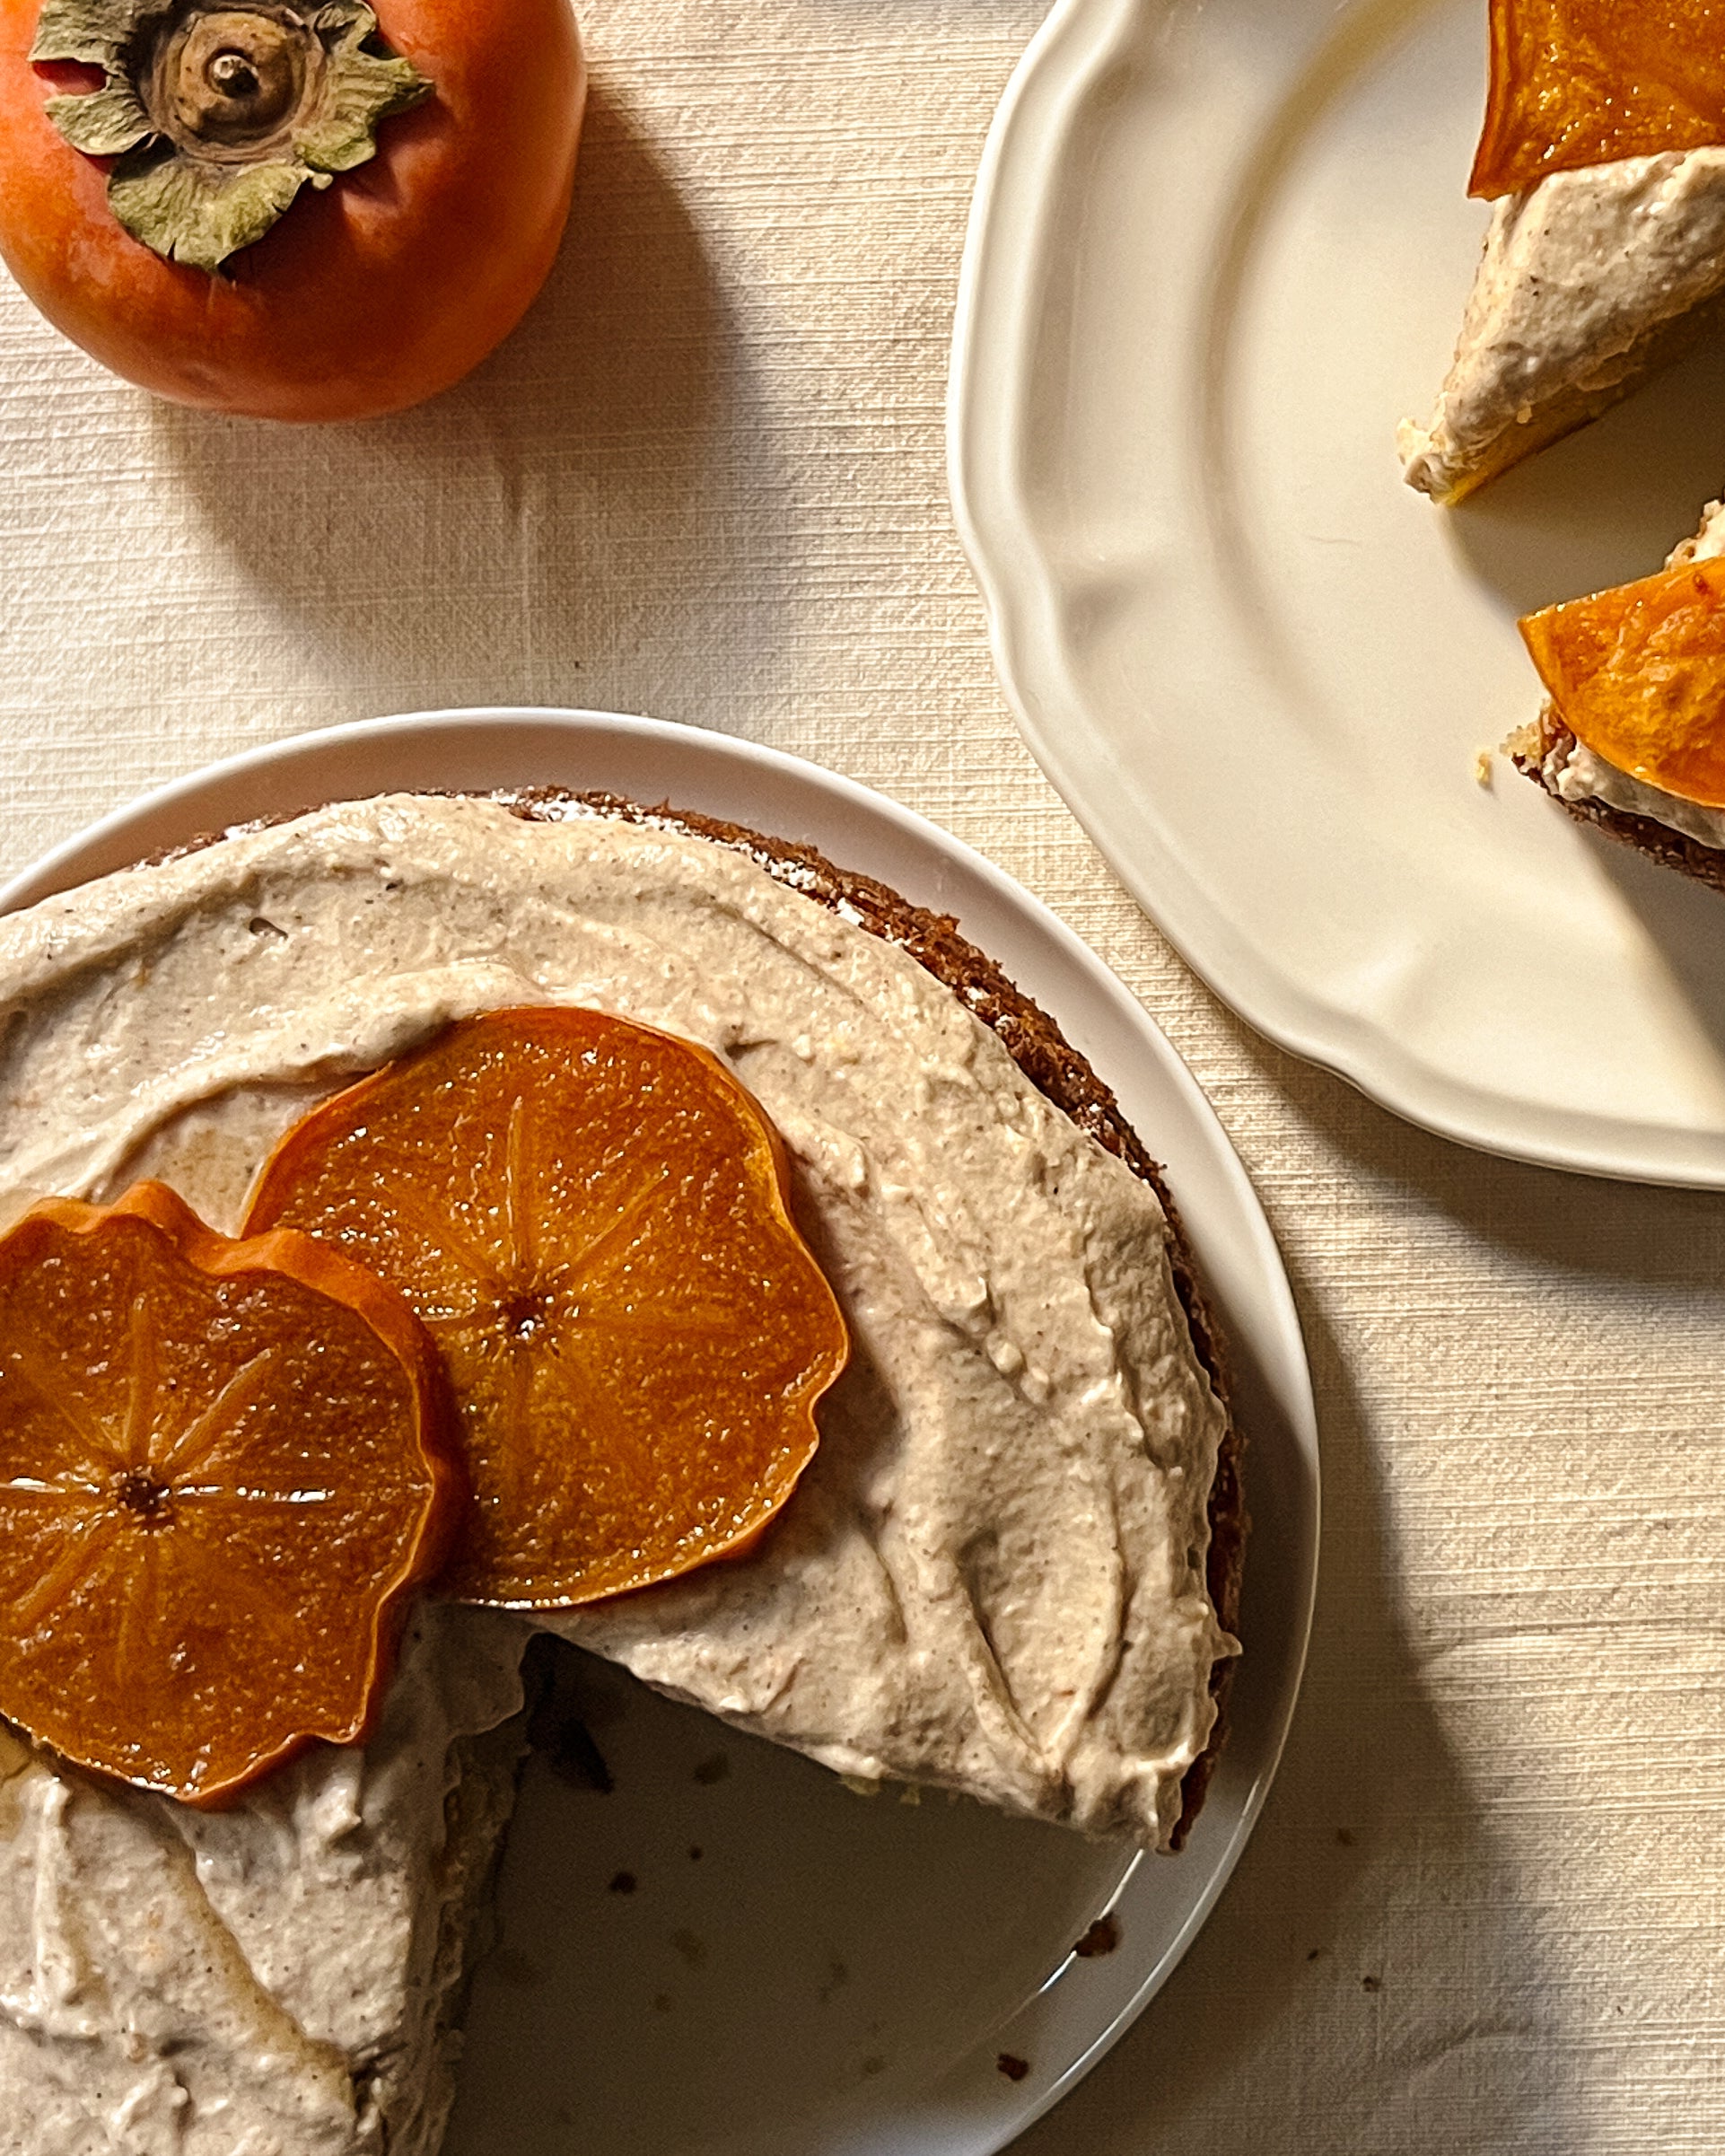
column 1219, row 250
column 730, row 1954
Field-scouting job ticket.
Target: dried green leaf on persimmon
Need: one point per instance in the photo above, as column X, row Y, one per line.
column 218, row 118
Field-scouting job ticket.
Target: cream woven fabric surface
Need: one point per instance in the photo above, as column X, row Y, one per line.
column 1483, row 1910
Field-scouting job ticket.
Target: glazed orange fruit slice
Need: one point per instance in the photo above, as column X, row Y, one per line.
column 223, row 1469
column 1579, row 83
column 1638, row 674
column 591, row 1218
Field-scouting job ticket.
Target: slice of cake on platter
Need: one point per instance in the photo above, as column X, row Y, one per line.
column 281, row 1978
column 1631, row 739
column 1604, row 156
column 1011, row 1569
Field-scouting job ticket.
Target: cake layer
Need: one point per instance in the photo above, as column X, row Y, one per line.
column 1572, row 772
column 997, row 1576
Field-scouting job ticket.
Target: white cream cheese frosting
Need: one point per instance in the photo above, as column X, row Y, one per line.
column 1580, row 276
column 1574, row 772
column 992, row 1578
column 264, row 1981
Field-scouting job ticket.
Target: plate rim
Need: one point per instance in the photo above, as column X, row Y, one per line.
column 992, row 349
column 111, row 842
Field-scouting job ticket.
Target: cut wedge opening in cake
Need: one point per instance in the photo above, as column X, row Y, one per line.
column 1010, row 1568
column 1603, row 154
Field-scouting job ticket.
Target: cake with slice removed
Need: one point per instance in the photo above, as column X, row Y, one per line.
column 1011, row 1570
column 1604, row 155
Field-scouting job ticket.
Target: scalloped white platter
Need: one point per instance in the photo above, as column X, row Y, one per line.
column 730, row 1954
column 1219, row 249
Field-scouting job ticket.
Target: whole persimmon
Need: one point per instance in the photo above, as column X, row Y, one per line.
column 326, row 211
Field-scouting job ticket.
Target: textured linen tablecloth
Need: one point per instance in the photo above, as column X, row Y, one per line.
column 1483, row 1910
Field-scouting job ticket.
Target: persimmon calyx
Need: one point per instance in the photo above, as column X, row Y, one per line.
column 217, row 117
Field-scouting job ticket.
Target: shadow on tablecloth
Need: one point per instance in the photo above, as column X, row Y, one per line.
column 581, row 493
column 1477, row 1914
column 1368, row 1985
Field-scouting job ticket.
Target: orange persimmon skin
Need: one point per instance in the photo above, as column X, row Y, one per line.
column 1578, row 83
column 1637, row 674
column 368, row 296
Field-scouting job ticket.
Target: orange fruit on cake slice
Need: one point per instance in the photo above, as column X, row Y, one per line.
column 1637, row 674
column 1578, row 83
column 591, row 1218
column 225, row 1467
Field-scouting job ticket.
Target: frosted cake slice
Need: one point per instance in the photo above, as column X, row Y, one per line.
column 1589, row 281
column 278, row 1979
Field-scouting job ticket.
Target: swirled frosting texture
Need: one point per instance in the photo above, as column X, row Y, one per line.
column 266, row 1980
column 1582, row 278
column 992, row 1579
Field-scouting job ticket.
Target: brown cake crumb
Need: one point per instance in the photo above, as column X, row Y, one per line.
column 1102, row 1938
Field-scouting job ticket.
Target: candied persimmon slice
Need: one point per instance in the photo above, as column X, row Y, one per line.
column 1581, row 83
column 225, row 1467
column 591, row 1218
column 1637, row 674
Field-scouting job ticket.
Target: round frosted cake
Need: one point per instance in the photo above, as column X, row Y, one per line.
column 1011, row 1571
